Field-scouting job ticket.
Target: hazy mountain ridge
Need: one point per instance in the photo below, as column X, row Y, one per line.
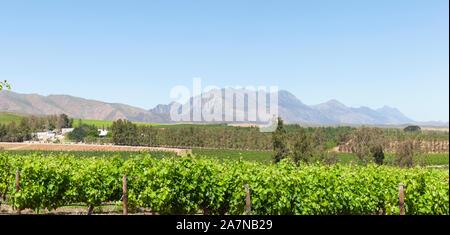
column 74, row 107
column 290, row 108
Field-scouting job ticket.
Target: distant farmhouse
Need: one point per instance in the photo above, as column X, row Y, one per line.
column 52, row 135
column 102, row 133
column 66, row 130
column 48, row 135
column 59, row 134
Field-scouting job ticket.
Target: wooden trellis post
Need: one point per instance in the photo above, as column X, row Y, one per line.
column 90, row 210
column 125, row 195
column 247, row 200
column 401, row 197
column 17, row 187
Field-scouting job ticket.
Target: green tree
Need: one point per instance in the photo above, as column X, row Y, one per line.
column 406, row 150
column 368, row 144
column 70, row 123
column 124, row 132
column 280, row 142
column 378, row 154
column 302, row 147
column 92, row 133
column 319, row 139
column 63, row 121
column 412, row 128
column 78, row 134
column 24, row 132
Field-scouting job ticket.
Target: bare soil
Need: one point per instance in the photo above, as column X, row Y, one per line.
column 105, row 209
column 87, row 147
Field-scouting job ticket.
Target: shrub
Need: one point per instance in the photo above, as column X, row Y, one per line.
column 404, row 156
column 78, row 134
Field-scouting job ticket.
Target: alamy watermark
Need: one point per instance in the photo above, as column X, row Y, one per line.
column 258, row 106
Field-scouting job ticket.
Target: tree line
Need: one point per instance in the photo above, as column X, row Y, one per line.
column 127, row 133
column 22, row 131
column 301, row 145
column 306, row 144
column 369, row 145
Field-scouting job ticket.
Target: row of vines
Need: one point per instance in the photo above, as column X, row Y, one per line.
column 191, row 185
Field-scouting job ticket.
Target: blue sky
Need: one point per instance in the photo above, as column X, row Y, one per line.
column 362, row 53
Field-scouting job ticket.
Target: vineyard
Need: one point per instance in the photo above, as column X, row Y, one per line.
column 431, row 159
column 249, row 155
column 192, row 185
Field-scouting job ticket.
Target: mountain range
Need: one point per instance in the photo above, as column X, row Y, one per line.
column 74, row 107
column 290, row 108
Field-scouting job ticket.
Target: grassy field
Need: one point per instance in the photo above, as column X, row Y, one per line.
column 106, row 124
column 6, row 118
column 343, row 158
column 259, row 156
column 98, row 123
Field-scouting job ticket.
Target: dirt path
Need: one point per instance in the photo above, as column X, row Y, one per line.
column 436, row 166
column 18, row 147
column 87, row 147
